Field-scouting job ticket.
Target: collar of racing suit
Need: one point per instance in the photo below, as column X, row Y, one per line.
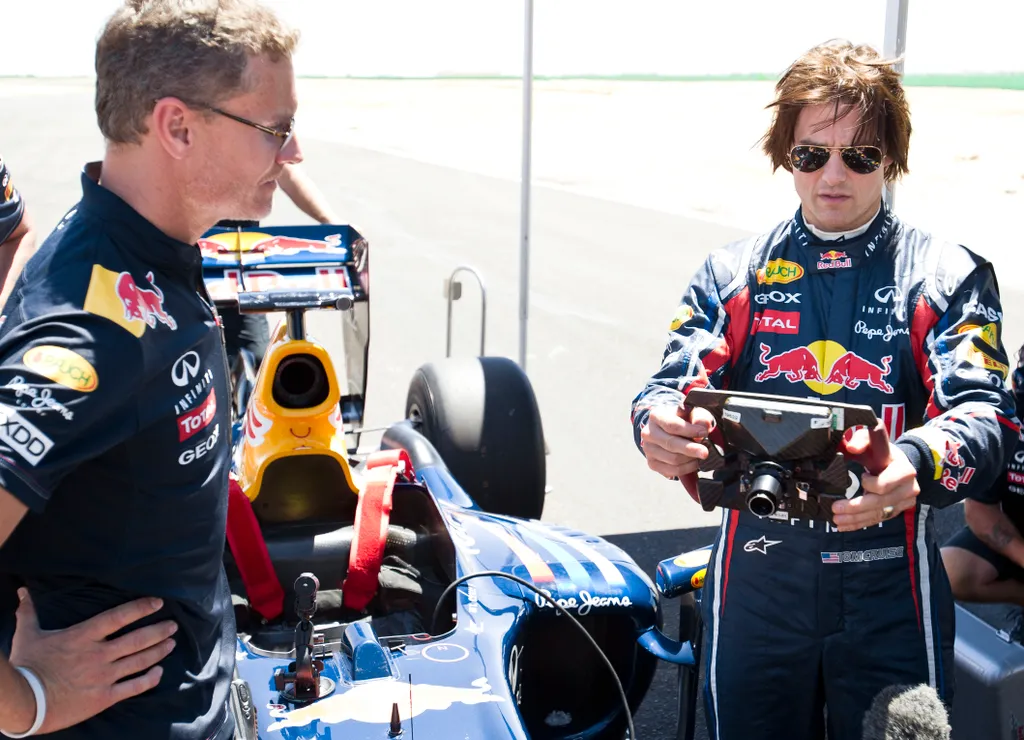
column 879, row 232
column 139, row 235
column 832, row 236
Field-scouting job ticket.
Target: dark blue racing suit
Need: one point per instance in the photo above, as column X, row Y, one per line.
column 114, row 431
column 798, row 614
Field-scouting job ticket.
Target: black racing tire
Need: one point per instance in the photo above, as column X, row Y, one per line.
column 481, row 415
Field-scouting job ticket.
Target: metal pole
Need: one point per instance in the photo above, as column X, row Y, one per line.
column 524, row 216
column 895, row 45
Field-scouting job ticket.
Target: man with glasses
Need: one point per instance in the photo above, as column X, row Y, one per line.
column 842, row 302
column 114, row 446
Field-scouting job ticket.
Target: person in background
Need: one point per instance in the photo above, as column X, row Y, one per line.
column 985, row 559
column 251, row 331
column 17, row 238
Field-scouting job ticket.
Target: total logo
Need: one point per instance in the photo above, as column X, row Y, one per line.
column 192, row 454
column 779, row 271
column 193, row 422
column 807, row 365
column 776, row 322
column 833, row 260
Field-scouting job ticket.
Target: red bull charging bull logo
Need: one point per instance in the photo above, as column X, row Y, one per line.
column 118, row 297
column 143, row 304
column 846, row 369
column 834, row 260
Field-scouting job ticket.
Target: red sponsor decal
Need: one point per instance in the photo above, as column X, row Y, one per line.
column 777, row 322
column 1015, row 477
column 952, row 482
column 198, row 419
column 894, row 416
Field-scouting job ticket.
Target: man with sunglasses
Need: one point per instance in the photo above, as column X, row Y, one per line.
column 842, row 302
column 115, row 423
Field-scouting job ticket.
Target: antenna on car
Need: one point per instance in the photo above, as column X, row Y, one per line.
column 412, row 728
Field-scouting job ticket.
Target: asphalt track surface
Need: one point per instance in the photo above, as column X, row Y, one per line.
column 605, row 280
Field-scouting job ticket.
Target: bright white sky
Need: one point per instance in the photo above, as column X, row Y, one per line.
column 428, row 37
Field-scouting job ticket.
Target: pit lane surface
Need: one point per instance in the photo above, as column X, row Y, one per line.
column 606, row 277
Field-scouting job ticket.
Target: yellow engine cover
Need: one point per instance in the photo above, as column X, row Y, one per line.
column 305, row 447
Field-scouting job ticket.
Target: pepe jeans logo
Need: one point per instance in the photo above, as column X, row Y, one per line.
column 583, row 603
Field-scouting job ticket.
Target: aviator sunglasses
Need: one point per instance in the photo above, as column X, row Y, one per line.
column 860, row 159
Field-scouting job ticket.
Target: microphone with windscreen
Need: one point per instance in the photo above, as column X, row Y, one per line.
column 907, row 713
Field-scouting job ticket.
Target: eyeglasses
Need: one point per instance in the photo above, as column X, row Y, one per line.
column 860, row 159
column 285, row 136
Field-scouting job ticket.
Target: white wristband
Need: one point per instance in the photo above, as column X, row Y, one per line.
column 39, row 694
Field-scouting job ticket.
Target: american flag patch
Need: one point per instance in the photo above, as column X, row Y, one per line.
column 831, row 557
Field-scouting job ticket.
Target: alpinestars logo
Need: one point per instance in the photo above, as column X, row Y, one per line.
column 760, row 545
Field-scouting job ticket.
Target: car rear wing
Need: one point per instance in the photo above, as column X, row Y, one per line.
column 263, row 269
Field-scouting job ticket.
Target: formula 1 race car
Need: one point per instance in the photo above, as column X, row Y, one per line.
column 408, row 589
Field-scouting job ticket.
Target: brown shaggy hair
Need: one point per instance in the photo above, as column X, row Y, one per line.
column 851, row 78
column 194, row 50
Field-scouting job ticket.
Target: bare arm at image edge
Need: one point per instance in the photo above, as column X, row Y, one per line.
column 304, row 193
column 991, row 525
column 14, row 253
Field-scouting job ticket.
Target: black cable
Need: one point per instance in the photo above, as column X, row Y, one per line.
column 615, row 677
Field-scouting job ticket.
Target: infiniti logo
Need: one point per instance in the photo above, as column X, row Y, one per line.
column 185, row 368
column 889, row 293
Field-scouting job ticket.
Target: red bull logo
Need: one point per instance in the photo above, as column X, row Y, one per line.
column 796, row 365
column 258, row 245
column 143, row 304
column 117, row 297
column 362, row 703
column 846, row 369
column 834, row 260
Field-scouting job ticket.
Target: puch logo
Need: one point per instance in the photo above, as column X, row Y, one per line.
column 806, row 364
column 62, row 366
column 779, row 271
column 683, row 314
